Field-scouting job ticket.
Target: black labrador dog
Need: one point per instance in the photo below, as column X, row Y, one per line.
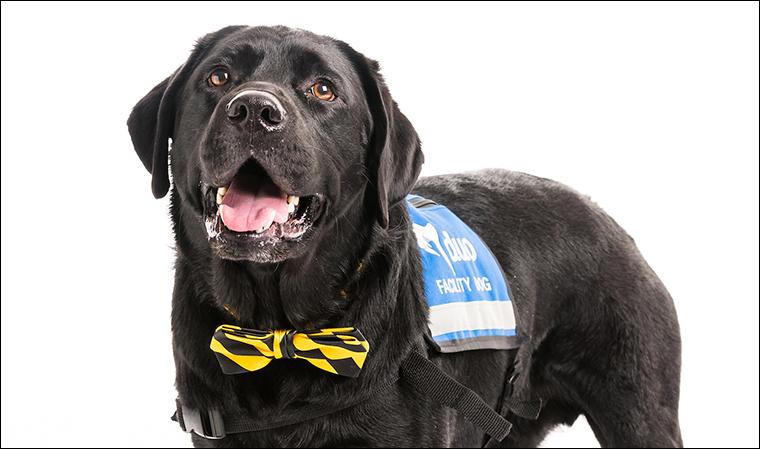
column 290, row 164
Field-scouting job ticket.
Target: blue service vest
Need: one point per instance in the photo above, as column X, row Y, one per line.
column 469, row 297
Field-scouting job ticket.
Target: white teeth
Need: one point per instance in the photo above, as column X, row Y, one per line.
column 292, row 203
column 220, row 194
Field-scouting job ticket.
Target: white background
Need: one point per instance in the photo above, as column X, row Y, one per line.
column 651, row 109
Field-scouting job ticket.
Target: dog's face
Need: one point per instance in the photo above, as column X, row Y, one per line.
column 276, row 135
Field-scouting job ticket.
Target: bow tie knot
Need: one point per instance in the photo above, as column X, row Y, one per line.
column 283, row 341
column 339, row 351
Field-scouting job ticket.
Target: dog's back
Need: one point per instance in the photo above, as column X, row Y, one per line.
column 601, row 333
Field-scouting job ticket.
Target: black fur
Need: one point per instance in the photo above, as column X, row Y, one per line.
column 602, row 337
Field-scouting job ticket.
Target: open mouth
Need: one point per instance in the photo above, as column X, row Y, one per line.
column 254, row 208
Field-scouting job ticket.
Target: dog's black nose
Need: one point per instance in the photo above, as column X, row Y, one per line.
column 257, row 105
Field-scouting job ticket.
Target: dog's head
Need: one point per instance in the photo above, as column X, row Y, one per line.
column 277, row 134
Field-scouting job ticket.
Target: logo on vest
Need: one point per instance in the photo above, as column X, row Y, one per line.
column 453, row 249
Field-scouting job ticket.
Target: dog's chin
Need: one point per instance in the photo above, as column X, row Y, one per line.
column 247, row 234
column 276, row 244
column 265, row 251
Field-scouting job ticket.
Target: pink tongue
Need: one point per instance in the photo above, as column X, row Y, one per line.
column 253, row 202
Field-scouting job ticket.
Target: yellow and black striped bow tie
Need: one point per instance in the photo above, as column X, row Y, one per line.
column 339, row 351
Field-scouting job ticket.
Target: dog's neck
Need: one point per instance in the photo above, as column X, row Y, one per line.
column 315, row 290
column 376, row 289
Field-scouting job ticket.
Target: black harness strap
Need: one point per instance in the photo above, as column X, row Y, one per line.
column 422, row 202
column 416, row 370
column 212, row 425
column 428, row 379
column 507, row 404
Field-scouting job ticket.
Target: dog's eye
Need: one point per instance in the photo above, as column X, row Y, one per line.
column 322, row 90
column 218, row 77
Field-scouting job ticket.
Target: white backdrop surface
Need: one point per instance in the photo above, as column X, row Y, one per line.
column 650, row 109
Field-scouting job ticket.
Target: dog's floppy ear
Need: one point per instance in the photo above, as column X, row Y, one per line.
column 395, row 156
column 150, row 126
column 151, row 123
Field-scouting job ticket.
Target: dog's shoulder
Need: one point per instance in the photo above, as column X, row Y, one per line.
column 480, row 197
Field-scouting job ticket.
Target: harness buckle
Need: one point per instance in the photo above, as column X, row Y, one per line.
column 204, row 423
